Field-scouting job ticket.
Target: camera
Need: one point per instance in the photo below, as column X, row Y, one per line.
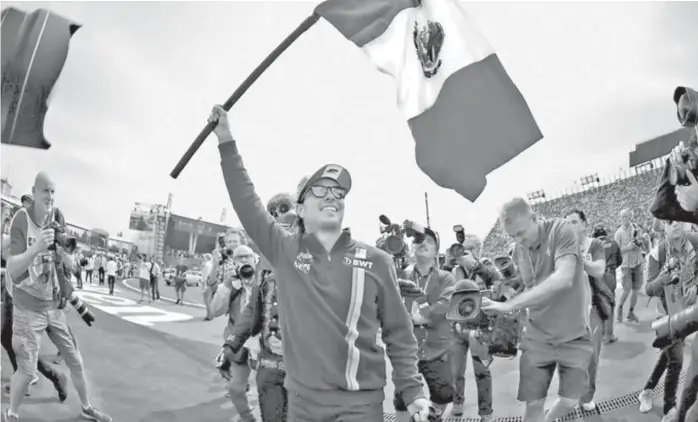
column 465, row 303
column 70, row 244
column 392, row 237
column 244, row 272
column 675, row 327
column 457, row 250
column 506, row 267
column 686, row 100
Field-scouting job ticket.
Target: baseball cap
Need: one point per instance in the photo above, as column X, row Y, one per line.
column 433, row 235
column 329, row 171
column 26, row 198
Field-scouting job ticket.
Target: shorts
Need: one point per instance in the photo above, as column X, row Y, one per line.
column 438, row 375
column 538, row 362
column 180, row 285
column 28, row 328
column 143, row 283
column 632, row 277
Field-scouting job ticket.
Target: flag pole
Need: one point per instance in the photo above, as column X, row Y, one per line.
column 256, row 73
column 426, row 204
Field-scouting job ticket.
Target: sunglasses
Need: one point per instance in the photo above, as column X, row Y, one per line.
column 321, row 191
column 282, row 209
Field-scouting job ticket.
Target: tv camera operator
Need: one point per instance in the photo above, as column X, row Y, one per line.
column 468, row 266
column 676, row 199
column 426, row 292
column 325, row 292
column 39, row 266
column 237, row 274
column 557, row 297
column 261, row 317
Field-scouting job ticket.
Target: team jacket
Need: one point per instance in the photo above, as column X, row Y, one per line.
column 331, row 305
column 260, row 316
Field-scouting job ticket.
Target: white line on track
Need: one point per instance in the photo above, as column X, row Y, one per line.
column 124, row 281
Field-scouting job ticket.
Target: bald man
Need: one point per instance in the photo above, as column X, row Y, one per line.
column 231, row 297
column 37, row 298
column 628, row 237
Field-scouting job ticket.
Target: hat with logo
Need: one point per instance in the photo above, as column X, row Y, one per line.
column 329, row 171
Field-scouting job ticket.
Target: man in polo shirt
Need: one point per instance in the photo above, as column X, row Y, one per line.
column 628, row 237
column 558, row 298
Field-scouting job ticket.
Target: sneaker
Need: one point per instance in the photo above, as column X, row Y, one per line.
column 61, row 386
column 34, row 380
column 620, row 314
column 589, row 407
column 611, row 339
column 10, row 417
column 6, row 389
column 670, row 416
column 632, row 318
column 645, row 399
column 457, row 409
column 95, row 415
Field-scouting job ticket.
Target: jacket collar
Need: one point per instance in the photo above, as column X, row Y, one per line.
column 344, row 242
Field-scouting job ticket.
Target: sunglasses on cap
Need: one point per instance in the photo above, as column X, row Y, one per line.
column 320, row 191
column 282, row 209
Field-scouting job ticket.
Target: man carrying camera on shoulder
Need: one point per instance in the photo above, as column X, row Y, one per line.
column 558, row 298
column 39, row 303
column 434, row 334
column 331, row 287
column 672, row 270
column 469, row 267
column 236, row 280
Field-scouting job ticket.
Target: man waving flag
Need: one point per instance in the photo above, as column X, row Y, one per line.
column 466, row 115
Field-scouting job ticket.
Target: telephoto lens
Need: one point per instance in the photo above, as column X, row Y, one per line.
column 675, row 327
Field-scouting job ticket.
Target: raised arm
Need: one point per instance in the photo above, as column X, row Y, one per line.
column 258, row 224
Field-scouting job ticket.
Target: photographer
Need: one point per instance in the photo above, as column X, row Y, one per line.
column 632, row 268
column 433, row 332
column 613, row 259
column 237, row 277
column 38, row 299
column 325, row 293
column 261, row 317
column 558, row 297
column 672, row 270
column 470, row 267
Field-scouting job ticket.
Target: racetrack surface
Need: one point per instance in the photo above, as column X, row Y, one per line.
column 153, row 362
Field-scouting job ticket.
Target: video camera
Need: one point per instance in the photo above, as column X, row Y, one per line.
column 686, row 100
column 393, row 235
column 500, row 333
column 457, row 250
column 69, row 243
column 675, row 327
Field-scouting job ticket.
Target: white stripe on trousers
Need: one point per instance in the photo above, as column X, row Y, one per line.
column 358, row 278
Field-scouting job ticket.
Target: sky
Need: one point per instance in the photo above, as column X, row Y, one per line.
column 140, row 80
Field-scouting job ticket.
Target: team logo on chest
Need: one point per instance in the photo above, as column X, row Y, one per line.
column 303, row 261
column 355, row 262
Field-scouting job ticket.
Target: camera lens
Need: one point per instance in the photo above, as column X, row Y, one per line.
column 283, row 209
column 467, row 307
column 246, row 271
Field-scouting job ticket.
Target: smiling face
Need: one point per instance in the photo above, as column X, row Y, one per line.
column 322, row 206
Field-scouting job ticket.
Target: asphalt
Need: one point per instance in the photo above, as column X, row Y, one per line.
column 154, row 362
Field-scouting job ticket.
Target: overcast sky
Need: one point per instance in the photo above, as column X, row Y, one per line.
column 141, row 77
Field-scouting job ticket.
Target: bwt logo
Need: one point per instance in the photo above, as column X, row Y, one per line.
column 358, row 262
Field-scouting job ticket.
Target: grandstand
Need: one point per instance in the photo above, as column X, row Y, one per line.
column 603, row 199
